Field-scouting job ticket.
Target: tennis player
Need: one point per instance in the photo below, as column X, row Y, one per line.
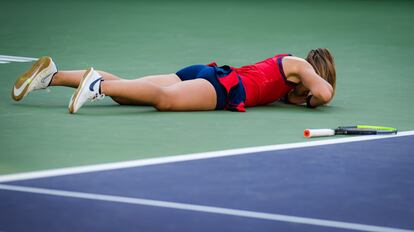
column 309, row 82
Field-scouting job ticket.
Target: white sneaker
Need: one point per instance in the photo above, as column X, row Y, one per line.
column 37, row 77
column 88, row 89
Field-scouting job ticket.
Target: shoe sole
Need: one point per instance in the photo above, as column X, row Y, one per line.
column 78, row 91
column 28, row 77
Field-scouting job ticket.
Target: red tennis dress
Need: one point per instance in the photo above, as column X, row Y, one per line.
column 262, row 83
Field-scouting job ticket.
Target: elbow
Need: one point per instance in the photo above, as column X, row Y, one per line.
column 328, row 94
column 325, row 96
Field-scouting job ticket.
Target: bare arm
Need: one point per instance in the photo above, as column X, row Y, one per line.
column 320, row 89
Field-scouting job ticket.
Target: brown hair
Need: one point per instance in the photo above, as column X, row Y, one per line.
column 323, row 63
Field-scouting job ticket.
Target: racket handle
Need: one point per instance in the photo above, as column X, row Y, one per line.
column 308, row 133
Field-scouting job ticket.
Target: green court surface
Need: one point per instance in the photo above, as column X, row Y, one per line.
column 372, row 42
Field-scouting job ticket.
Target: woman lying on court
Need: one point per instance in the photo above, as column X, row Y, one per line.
column 197, row 87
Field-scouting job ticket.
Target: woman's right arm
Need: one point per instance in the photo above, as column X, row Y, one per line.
column 320, row 89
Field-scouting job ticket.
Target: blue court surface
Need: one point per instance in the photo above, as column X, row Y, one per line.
column 365, row 185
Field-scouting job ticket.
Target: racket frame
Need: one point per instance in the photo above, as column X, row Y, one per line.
column 351, row 130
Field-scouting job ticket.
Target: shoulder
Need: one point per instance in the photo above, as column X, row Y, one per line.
column 294, row 67
column 295, row 64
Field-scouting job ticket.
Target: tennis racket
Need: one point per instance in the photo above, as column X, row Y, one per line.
column 350, row 130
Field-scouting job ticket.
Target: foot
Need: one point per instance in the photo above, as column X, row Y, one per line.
column 37, row 77
column 88, row 89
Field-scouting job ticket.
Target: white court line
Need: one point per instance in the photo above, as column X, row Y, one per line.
column 205, row 209
column 187, row 157
column 4, row 62
column 13, row 60
column 16, row 58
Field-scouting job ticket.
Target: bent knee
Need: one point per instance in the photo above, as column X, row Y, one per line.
column 165, row 102
column 164, row 105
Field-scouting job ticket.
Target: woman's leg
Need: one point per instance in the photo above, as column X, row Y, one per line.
column 162, row 80
column 197, row 94
column 159, row 80
column 73, row 78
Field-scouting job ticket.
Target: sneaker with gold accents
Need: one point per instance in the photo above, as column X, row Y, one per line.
column 88, row 89
column 38, row 76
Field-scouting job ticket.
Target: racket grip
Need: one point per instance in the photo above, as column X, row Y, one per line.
column 308, row 133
